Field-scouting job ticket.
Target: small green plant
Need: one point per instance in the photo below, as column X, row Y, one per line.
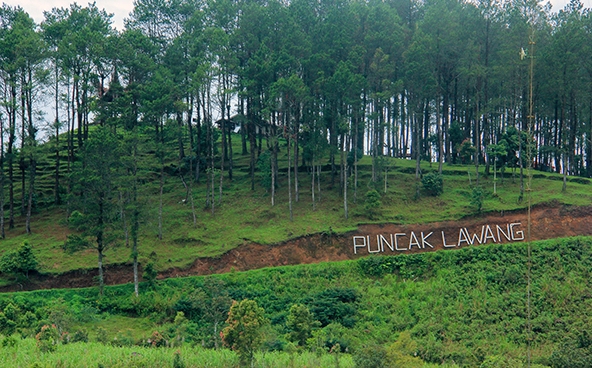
column 178, row 361
column 7, row 325
column 75, row 243
column 372, row 203
column 48, row 338
column 157, row 340
column 79, row 336
column 477, row 197
column 9, row 341
column 150, row 273
column 433, row 183
column 19, row 262
column 102, row 335
column 264, row 168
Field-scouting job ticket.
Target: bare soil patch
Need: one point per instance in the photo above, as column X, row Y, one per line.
column 547, row 222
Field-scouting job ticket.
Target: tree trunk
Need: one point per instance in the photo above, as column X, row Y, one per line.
column 100, row 246
column 2, row 231
column 290, row 179
column 160, row 200
column 10, row 154
column 57, row 200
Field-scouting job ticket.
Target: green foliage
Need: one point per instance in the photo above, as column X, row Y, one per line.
column 575, row 351
column 403, row 352
column 497, row 361
column 178, row 361
column 335, row 305
column 477, row 198
column 466, row 150
column 244, row 333
column 150, row 273
column 264, row 168
column 75, row 243
column 48, row 338
column 7, row 325
column 371, row 356
column 372, row 203
column 79, row 336
column 102, row 336
column 9, row 342
column 433, row 183
column 19, row 262
column 300, row 323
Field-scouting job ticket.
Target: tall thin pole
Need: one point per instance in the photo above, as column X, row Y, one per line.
column 530, row 120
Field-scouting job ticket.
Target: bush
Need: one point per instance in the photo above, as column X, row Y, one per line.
column 477, row 196
column 7, row 326
column 102, row 335
column 75, row 243
column 47, row 338
column 335, row 305
column 80, row 336
column 19, row 262
column 373, row 356
column 575, row 351
column 150, row 273
column 433, row 184
column 9, row 342
column 372, row 202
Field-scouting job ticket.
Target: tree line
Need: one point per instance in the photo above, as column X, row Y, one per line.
column 326, row 81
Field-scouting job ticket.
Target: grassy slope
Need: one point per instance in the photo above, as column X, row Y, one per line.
column 246, row 215
column 459, row 306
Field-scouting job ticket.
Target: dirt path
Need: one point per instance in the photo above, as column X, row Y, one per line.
column 547, row 223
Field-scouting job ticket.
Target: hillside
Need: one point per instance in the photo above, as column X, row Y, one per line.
column 463, row 308
column 246, row 217
column 462, row 305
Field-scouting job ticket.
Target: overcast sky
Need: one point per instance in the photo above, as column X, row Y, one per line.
column 121, row 8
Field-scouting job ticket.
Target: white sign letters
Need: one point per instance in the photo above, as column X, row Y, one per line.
column 400, row 242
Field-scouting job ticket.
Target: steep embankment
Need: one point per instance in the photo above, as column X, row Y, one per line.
column 547, row 222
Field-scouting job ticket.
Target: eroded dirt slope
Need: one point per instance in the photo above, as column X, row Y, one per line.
column 547, row 222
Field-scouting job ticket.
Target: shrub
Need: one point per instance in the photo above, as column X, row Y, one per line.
column 372, row 202
column 370, row 357
column 575, row 351
column 19, row 262
column 157, row 340
column 244, row 333
column 335, row 305
column 47, row 338
column 300, row 323
column 75, row 243
column 150, row 273
column 102, row 335
column 178, row 361
column 477, row 196
column 7, row 326
column 80, row 336
column 433, row 183
column 10, row 341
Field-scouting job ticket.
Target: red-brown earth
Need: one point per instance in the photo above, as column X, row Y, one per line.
column 547, row 222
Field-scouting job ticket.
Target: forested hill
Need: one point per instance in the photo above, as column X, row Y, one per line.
column 240, row 106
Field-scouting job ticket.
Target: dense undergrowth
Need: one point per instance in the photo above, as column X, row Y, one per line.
column 466, row 307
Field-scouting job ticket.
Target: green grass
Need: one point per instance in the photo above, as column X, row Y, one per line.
column 82, row 355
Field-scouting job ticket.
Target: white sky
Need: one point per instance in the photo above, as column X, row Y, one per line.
column 121, row 8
